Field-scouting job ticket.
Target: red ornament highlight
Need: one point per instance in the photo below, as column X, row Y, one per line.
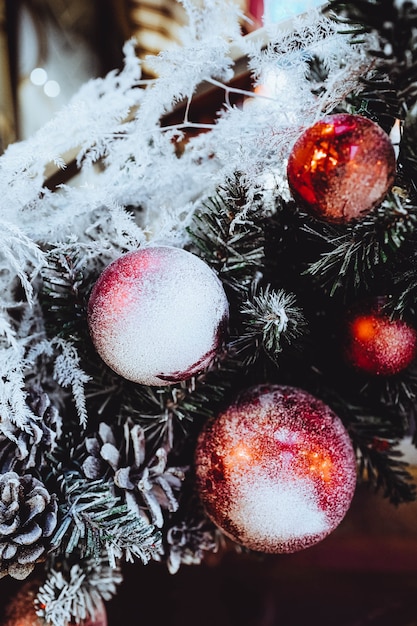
column 341, row 167
column 378, row 345
column 158, row 315
column 276, row 471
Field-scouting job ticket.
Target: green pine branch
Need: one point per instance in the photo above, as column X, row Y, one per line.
column 393, row 88
column 64, row 295
column 380, row 463
column 170, row 415
column 230, row 236
column 404, row 291
column 92, row 520
column 396, row 396
column 358, row 252
column 270, row 321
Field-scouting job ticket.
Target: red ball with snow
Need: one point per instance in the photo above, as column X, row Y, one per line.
column 378, row 345
column 341, row 167
column 158, row 315
column 276, row 471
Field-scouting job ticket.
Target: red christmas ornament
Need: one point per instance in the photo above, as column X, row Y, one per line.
column 157, row 315
column 276, row 471
column 341, row 167
column 378, row 345
column 21, row 610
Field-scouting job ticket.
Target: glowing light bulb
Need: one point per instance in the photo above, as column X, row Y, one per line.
column 38, row 76
column 52, row 88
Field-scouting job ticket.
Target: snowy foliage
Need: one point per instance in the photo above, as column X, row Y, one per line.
column 78, row 592
column 270, row 318
column 142, row 178
column 134, row 188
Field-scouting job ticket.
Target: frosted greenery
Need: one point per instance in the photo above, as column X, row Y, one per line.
column 143, row 192
column 143, row 181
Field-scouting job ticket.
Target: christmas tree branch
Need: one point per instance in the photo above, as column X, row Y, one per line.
column 380, row 462
column 167, row 414
column 270, row 320
column 359, row 250
column 93, row 521
column 228, row 232
column 76, row 590
column 393, row 87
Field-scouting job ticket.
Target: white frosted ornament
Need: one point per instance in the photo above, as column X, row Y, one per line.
column 157, row 315
column 276, row 470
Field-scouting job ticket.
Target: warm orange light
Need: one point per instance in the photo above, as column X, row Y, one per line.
column 323, row 157
column 261, row 90
column 364, row 328
column 240, row 454
column 318, row 464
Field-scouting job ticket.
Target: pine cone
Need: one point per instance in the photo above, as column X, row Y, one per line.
column 28, row 517
column 186, row 545
column 189, row 535
column 149, row 487
column 20, row 449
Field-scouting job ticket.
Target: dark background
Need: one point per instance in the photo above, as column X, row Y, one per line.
column 364, row 573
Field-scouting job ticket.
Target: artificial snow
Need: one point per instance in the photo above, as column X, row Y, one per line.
column 134, row 188
column 276, row 470
column 157, row 315
column 273, row 513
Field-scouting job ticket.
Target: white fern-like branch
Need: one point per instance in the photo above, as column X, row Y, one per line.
column 13, row 407
column 66, row 370
column 20, row 257
column 76, row 595
column 68, row 373
column 144, row 191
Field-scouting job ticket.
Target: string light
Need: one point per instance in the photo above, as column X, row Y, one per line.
column 52, row 88
column 38, row 76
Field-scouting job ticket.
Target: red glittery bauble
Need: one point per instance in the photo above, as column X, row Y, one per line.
column 341, row 167
column 158, row 315
column 276, row 471
column 375, row 344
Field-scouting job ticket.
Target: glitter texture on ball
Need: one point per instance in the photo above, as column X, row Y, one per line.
column 276, row 471
column 341, row 167
column 378, row 345
column 158, row 315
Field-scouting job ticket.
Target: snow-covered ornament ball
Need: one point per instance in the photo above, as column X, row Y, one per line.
column 376, row 344
column 276, row 471
column 341, row 167
column 158, row 315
